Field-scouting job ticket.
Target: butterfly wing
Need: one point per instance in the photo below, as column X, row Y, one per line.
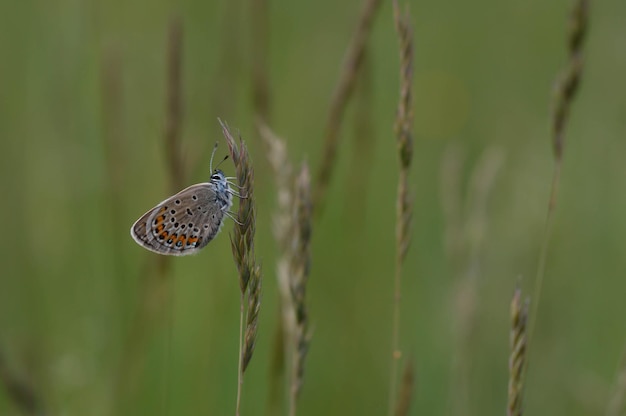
column 183, row 223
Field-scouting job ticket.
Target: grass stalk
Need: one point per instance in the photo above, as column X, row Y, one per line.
column 465, row 235
column 341, row 95
column 517, row 358
column 407, row 388
column 299, row 274
column 404, row 205
column 565, row 91
column 363, row 147
column 242, row 245
column 240, row 360
column 292, row 230
column 282, row 228
column 157, row 292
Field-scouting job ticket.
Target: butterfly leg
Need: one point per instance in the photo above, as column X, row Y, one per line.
column 237, row 194
column 232, row 217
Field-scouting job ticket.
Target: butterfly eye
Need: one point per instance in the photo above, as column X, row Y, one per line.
column 215, row 177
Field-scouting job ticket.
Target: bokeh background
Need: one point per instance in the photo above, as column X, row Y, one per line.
column 82, row 119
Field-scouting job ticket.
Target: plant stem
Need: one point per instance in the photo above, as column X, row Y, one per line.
column 293, row 391
column 543, row 256
column 240, row 363
column 396, row 354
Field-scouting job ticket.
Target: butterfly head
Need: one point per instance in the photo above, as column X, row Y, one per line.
column 218, row 176
column 221, row 186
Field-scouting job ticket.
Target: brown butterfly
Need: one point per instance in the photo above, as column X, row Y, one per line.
column 186, row 222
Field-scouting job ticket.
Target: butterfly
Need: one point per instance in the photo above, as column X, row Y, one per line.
column 187, row 221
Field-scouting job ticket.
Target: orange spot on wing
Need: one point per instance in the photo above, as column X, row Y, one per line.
column 192, row 240
column 182, row 239
column 164, row 234
column 159, row 228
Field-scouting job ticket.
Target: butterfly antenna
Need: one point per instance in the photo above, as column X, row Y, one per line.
column 222, row 161
column 212, row 155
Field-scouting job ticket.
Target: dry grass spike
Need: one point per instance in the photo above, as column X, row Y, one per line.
column 292, row 230
column 565, row 92
column 404, row 206
column 567, row 84
column 300, row 266
column 343, row 91
column 276, row 152
column 517, row 358
column 242, row 245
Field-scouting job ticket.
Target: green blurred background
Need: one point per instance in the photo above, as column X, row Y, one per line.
column 82, row 118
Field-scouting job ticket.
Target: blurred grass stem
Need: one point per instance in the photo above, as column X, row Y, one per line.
column 240, row 361
column 565, row 92
column 404, row 204
column 341, row 95
column 157, row 291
